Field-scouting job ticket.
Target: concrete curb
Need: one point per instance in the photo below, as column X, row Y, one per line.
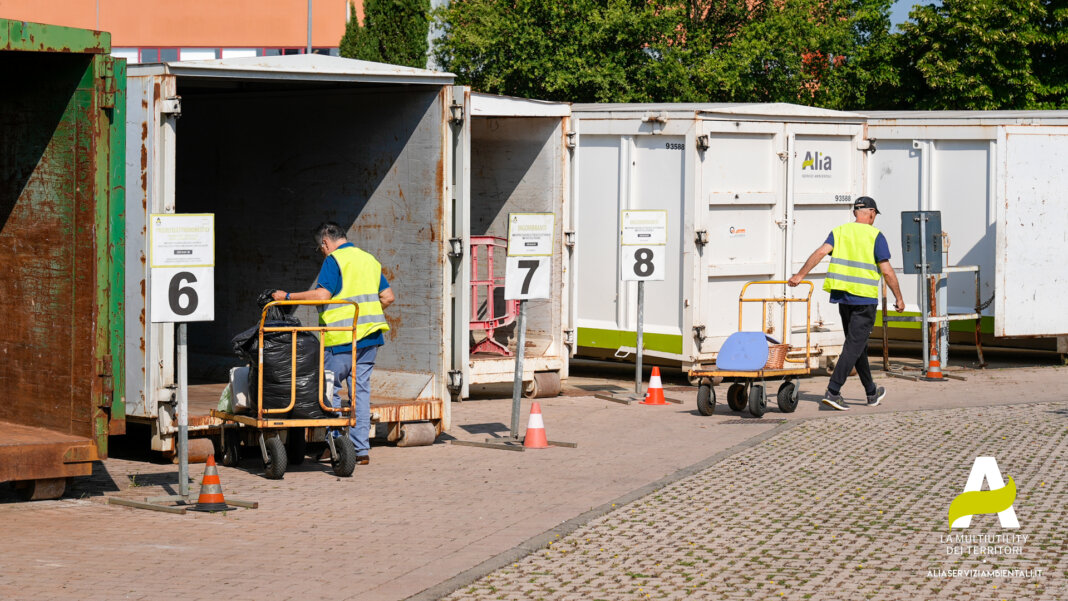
column 542, row 540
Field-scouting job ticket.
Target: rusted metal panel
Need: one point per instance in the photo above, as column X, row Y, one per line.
column 56, row 183
column 36, row 37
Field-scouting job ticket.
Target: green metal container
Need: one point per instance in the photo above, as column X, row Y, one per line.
column 62, row 169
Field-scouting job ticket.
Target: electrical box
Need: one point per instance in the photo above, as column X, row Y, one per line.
column 910, row 240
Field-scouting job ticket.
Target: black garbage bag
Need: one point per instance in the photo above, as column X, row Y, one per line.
column 277, row 365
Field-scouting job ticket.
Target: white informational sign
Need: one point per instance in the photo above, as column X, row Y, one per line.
column 530, row 256
column 530, row 234
column 182, row 264
column 182, row 240
column 643, row 245
column 644, row 228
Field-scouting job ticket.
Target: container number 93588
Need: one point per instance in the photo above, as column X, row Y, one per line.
column 843, row 198
column 674, row 146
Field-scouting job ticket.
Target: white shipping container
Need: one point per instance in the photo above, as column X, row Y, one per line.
column 275, row 145
column 750, row 190
column 1000, row 182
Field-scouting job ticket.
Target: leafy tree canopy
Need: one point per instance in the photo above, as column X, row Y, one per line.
column 393, row 31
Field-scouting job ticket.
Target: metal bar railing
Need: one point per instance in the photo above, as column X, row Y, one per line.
column 351, row 409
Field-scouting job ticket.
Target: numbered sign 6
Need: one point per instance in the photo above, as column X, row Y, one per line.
column 183, row 294
column 642, row 263
column 527, row 277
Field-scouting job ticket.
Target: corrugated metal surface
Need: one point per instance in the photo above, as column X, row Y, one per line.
column 57, row 141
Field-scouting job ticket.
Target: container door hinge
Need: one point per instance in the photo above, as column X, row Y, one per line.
column 572, row 140
column 456, row 247
column 456, row 113
column 108, row 86
column 171, row 106
column 569, row 238
column 569, row 337
column 701, row 237
column 456, row 381
column 699, row 333
column 106, row 380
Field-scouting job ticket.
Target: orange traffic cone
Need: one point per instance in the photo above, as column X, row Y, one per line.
column 934, row 370
column 655, row 395
column 211, row 494
column 535, row 438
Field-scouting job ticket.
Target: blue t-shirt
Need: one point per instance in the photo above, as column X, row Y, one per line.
column 882, row 253
column 330, row 278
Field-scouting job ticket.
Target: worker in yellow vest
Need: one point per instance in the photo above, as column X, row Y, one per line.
column 859, row 254
column 353, row 274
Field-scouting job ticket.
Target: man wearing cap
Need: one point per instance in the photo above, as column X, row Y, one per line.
column 859, row 253
column 352, row 274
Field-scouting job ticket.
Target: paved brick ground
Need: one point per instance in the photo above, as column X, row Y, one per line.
column 842, row 508
column 417, row 517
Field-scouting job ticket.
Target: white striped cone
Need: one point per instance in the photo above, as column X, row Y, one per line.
column 535, row 438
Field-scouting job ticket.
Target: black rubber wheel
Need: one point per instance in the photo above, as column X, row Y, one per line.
column 736, row 399
column 787, row 397
column 277, row 460
column 706, row 398
column 231, row 448
column 758, row 402
column 296, row 446
column 346, row 457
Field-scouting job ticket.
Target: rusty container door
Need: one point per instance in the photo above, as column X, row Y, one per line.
column 61, row 242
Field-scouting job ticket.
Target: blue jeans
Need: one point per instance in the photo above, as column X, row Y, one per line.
column 341, row 365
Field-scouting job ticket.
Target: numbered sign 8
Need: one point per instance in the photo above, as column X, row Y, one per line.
column 183, row 294
column 642, row 263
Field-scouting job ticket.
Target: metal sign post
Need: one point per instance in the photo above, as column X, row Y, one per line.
column 529, row 265
column 182, row 262
column 642, row 243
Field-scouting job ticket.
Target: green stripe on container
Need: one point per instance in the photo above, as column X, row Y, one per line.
column 613, row 339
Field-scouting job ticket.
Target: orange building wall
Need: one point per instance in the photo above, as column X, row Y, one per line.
column 191, row 23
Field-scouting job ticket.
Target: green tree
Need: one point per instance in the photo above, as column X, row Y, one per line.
column 827, row 52
column 974, row 54
column 581, row 50
column 393, row 31
column 1049, row 56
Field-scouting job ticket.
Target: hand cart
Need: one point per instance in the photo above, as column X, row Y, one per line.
column 281, row 440
column 744, row 392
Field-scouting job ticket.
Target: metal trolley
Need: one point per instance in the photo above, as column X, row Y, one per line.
column 283, row 441
column 744, row 391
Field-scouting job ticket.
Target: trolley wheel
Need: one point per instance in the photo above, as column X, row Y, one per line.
column 346, row 457
column 277, row 460
column 758, row 401
column 706, row 398
column 231, row 448
column 736, row 397
column 787, row 397
column 544, row 385
column 296, row 446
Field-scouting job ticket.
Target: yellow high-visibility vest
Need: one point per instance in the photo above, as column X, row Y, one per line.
column 853, row 267
column 361, row 275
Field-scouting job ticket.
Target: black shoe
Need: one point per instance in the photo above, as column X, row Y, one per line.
column 362, row 460
column 834, row 400
column 880, row 394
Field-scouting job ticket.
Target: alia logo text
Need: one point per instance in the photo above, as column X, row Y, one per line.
column 976, row 501
column 816, row 161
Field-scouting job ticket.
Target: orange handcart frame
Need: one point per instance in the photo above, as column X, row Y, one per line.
column 744, row 392
column 270, row 430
